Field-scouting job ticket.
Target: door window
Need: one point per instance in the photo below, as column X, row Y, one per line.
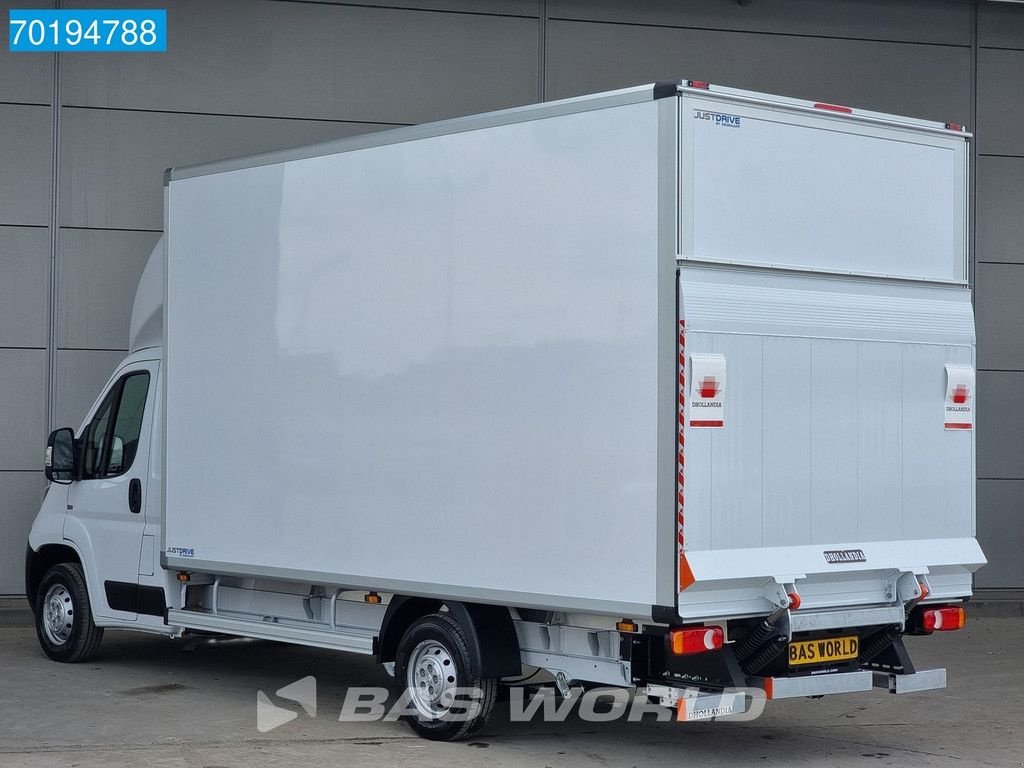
column 96, row 435
column 112, row 437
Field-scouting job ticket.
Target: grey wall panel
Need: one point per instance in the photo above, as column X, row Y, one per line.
column 20, row 495
column 97, row 274
column 1000, row 203
column 1000, row 102
column 933, row 81
column 1001, row 25
column 24, row 286
column 80, row 376
column 112, row 161
column 498, row 7
column 25, row 133
column 999, row 313
column 22, row 408
column 930, row 21
column 1000, row 425
column 25, row 77
column 1001, row 531
column 465, row 63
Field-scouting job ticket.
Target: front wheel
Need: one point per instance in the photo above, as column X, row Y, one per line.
column 64, row 622
column 433, row 666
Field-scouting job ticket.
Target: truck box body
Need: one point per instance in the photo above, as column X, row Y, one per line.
column 474, row 360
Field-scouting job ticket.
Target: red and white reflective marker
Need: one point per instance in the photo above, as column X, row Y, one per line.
column 707, row 390
column 959, row 406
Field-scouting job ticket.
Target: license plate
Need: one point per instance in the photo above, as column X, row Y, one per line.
column 824, row 650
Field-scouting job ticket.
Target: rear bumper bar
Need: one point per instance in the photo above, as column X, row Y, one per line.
column 923, row 680
column 816, row 685
column 692, row 704
column 852, row 682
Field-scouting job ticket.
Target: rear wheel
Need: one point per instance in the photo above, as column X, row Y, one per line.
column 433, row 666
column 64, row 622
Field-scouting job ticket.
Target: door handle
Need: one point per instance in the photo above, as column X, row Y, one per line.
column 135, row 495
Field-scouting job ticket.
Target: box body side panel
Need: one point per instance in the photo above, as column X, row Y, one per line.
column 428, row 363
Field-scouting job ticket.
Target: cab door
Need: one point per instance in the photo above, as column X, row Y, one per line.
column 105, row 506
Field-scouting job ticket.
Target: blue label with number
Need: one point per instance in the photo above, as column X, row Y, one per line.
column 96, row 31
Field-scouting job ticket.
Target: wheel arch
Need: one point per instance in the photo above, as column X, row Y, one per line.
column 491, row 635
column 38, row 562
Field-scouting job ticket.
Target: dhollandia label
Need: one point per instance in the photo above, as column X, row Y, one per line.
column 707, row 390
column 959, row 405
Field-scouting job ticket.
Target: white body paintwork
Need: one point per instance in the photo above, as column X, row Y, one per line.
column 92, row 517
column 821, row 190
column 444, row 363
column 438, row 358
column 146, row 327
column 834, row 436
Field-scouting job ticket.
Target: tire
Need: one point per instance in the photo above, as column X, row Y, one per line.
column 434, row 651
column 64, row 622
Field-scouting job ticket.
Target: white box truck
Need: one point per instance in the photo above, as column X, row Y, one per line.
column 668, row 388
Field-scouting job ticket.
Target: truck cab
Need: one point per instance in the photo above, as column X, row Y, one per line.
column 95, row 540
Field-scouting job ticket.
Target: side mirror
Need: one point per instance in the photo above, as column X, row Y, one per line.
column 59, row 466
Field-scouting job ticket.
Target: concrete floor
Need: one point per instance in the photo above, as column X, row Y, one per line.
column 146, row 702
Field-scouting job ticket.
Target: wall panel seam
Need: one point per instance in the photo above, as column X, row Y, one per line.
column 93, row 349
column 85, row 228
column 649, row 25
column 341, row 120
column 51, row 341
column 972, row 176
column 542, row 49
column 409, row 8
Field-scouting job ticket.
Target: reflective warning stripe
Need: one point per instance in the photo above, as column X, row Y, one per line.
column 685, row 574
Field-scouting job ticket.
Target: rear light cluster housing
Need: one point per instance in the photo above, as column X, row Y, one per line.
column 937, row 618
column 686, row 641
column 945, row 619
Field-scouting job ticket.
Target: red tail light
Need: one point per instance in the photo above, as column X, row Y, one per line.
column 684, row 642
column 945, row 619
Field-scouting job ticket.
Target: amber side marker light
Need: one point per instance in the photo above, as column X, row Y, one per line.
column 627, row 625
column 690, row 640
column 372, row 597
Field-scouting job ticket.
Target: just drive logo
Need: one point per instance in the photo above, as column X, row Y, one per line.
column 717, row 118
